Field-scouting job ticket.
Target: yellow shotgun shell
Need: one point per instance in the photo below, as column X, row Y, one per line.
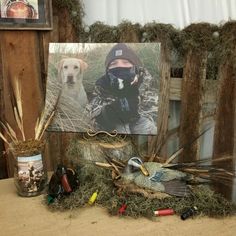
column 93, row 198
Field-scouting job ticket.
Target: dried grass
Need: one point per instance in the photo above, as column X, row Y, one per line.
column 9, row 135
column 93, row 178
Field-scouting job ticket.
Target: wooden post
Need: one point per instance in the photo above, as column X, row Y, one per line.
column 234, row 152
column 157, row 142
column 63, row 30
column 20, row 60
column 191, row 103
column 224, row 142
column 224, row 130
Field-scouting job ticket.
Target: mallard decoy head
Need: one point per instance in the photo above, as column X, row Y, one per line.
column 135, row 163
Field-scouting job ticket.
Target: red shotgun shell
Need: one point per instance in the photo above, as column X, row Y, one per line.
column 164, row 212
column 122, row 209
column 65, row 184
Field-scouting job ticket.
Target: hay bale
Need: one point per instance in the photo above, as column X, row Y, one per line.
column 96, row 150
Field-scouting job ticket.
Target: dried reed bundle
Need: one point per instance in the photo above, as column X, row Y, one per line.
column 18, row 110
column 20, row 144
column 44, row 120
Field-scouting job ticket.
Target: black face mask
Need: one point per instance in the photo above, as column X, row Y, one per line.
column 126, row 75
column 123, row 73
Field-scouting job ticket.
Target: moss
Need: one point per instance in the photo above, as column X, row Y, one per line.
column 129, row 32
column 199, row 37
column 100, row 33
column 164, row 33
column 227, row 42
column 93, row 178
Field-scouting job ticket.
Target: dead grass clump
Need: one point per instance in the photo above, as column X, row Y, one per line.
column 94, row 179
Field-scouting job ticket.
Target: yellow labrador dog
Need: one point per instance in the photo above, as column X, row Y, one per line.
column 70, row 71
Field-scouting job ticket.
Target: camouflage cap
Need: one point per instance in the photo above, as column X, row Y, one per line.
column 122, row 51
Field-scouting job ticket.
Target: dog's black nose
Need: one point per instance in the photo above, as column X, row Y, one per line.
column 70, row 79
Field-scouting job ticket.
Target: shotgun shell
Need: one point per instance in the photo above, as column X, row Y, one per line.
column 64, row 181
column 50, row 199
column 93, row 198
column 122, row 209
column 164, row 212
column 65, row 184
column 189, row 212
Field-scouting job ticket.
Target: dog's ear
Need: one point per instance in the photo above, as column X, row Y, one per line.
column 83, row 65
column 59, row 65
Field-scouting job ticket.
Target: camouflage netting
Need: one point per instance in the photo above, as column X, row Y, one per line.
column 93, row 179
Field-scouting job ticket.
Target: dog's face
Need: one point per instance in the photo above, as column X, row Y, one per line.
column 71, row 70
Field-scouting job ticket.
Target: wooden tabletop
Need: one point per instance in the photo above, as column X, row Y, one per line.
column 29, row 216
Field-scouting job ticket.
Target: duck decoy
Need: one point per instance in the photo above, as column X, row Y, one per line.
column 155, row 178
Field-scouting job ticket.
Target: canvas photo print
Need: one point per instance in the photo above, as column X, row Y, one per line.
column 110, row 87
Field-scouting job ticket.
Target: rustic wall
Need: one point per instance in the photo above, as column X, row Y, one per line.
column 15, row 58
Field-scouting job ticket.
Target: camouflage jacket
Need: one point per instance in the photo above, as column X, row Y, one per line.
column 147, row 98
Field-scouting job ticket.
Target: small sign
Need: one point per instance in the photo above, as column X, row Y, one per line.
column 26, row 14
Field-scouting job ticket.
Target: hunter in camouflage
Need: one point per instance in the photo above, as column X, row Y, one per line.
column 125, row 98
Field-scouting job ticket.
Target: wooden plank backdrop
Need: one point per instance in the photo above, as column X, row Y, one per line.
column 224, row 130
column 24, row 54
column 191, row 104
column 20, row 60
column 3, row 160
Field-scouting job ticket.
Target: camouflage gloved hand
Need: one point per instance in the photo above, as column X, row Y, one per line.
column 122, row 110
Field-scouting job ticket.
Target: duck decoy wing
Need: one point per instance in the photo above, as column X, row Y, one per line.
column 176, row 187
